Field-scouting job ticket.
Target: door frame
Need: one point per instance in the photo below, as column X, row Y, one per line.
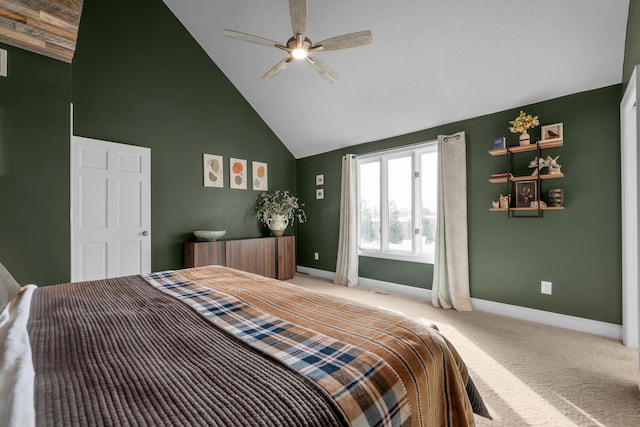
column 630, row 195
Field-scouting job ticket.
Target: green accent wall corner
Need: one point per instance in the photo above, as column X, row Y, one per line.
column 149, row 85
column 577, row 249
column 155, row 87
column 34, row 168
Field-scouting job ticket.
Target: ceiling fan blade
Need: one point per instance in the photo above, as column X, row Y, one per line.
column 345, row 41
column 322, row 69
column 298, row 11
column 276, row 69
column 250, row 38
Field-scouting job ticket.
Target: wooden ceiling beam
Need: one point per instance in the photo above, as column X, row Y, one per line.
column 48, row 27
column 60, row 32
column 22, row 37
column 12, row 16
column 46, row 50
column 57, row 22
column 19, row 9
column 46, row 36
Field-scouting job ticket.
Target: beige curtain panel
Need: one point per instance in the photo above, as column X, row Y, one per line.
column 347, row 262
column 451, row 268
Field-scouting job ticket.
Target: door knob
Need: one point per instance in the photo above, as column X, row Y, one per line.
column 145, row 233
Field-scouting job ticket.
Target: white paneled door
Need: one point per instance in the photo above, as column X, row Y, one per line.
column 111, row 209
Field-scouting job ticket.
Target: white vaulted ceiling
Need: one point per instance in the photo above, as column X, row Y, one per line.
column 431, row 62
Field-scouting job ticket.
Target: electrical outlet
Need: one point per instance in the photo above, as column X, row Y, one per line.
column 545, row 287
column 316, row 256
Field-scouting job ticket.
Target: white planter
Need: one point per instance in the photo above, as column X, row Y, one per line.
column 524, row 138
column 277, row 224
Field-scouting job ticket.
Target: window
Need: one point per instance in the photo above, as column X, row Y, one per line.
column 397, row 196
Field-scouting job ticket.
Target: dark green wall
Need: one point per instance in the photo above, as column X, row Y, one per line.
column 147, row 82
column 143, row 82
column 34, row 168
column 632, row 48
column 578, row 249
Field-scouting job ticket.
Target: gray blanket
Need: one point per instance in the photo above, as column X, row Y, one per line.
column 119, row 352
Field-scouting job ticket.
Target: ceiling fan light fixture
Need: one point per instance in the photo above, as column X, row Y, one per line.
column 299, row 53
column 299, row 47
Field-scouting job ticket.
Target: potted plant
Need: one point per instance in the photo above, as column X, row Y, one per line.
column 521, row 124
column 277, row 209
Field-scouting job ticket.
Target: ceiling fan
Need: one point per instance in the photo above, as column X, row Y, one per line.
column 299, row 46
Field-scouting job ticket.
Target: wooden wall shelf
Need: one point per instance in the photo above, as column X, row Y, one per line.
column 550, row 143
column 508, row 177
column 548, row 208
column 526, row 178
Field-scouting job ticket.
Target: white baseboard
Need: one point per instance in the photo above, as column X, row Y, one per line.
column 590, row 326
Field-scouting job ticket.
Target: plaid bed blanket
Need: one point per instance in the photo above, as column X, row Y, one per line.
column 380, row 368
column 364, row 387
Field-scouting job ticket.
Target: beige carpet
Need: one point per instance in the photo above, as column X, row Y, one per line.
column 528, row 374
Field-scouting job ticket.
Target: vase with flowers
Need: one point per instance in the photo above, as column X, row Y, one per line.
column 277, row 209
column 522, row 124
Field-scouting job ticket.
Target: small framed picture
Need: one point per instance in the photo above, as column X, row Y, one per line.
column 213, row 170
column 237, row 173
column 526, row 192
column 319, row 179
column 260, row 176
column 319, row 193
column 551, row 132
column 499, row 143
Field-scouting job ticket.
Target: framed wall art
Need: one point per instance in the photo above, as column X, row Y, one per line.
column 526, row 192
column 551, row 132
column 213, row 169
column 260, row 176
column 237, row 173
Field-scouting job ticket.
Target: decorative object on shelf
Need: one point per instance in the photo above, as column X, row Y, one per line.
column 277, row 224
column 556, row 197
column 499, row 143
column 209, row 235
column 554, row 167
column 521, row 124
column 277, row 209
column 535, row 203
column 526, row 192
column 495, row 205
column 505, row 201
column 237, row 173
column 260, row 176
column 213, row 170
column 549, row 162
column 551, row 132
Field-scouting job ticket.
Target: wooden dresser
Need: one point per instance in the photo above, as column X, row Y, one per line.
column 273, row 257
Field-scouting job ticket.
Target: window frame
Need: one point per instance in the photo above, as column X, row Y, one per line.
column 415, row 151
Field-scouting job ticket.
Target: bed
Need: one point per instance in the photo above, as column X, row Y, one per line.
column 218, row 346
